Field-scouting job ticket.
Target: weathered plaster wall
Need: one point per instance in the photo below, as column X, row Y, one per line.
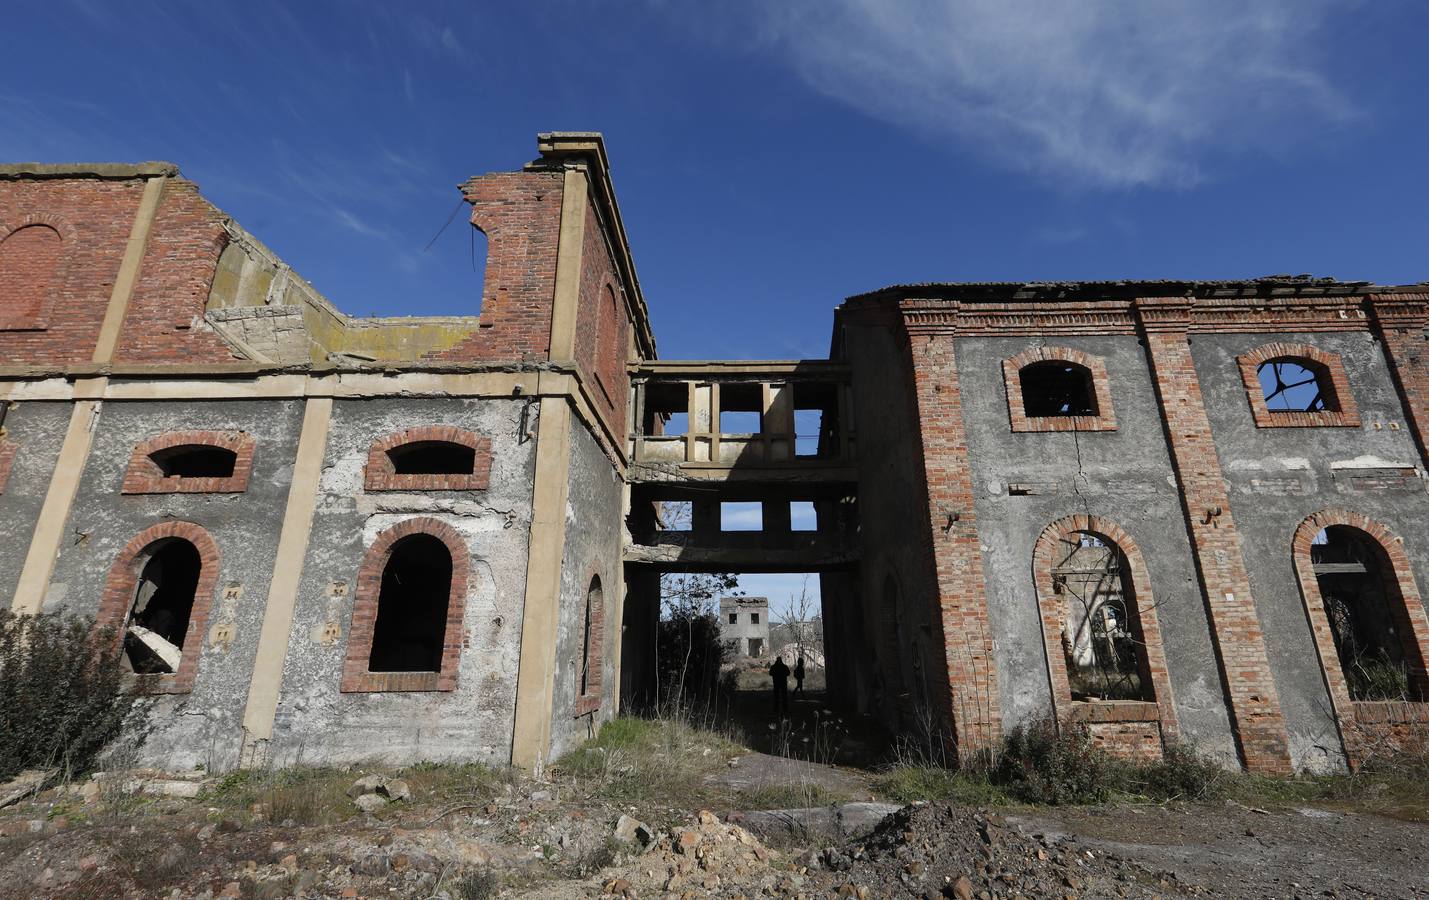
column 593, row 547
column 204, row 727
column 1124, row 476
column 474, row 722
column 1278, row 477
column 37, row 430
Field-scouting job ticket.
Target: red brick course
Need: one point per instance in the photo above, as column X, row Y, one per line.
column 382, row 476
column 1402, row 324
column 970, row 701
column 1340, row 410
column 1256, row 716
column 1104, row 420
column 355, row 675
column 123, row 582
column 144, row 476
column 1362, row 722
column 92, row 219
column 603, row 327
column 1160, row 710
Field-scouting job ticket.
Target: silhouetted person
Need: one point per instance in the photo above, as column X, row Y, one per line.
column 799, row 676
column 780, row 673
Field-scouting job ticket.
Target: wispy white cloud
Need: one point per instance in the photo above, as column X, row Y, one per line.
column 1100, row 92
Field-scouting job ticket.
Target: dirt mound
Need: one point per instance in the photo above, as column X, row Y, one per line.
column 933, row 850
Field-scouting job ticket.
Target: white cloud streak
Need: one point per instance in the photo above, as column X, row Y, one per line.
column 1096, row 92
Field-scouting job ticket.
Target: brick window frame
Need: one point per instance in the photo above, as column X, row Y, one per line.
column 356, row 677
column 144, row 476
column 8, row 449
column 123, row 581
column 40, row 319
column 593, row 608
column 1051, row 612
column 381, row 474
column 1104, row 420
column 1358, row 720
column 1340, row 410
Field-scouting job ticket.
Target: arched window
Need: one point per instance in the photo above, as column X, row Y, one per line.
column 1057, row 389
column 588, row 666
column 157, row 599
column 406, row 632
column 190, row 462
column 1105, row 659
column 412, row 607
column 29, row 262
column 429, row 458
column 1297, row 385
column 610, row 355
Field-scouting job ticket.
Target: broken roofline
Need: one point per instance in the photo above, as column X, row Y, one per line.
column 1273, row 286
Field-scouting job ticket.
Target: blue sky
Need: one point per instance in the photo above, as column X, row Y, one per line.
column 770, row 158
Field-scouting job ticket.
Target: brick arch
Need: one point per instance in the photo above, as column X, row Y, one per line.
column 1104, row 420
column 123, row 581
column 589, row 701
column 1340, row 410
column 609, row 355
column 34, row 313
column 1352, row 716
column 143, row 475
column 356, row 678
column 1050, row 608
column 381, row 475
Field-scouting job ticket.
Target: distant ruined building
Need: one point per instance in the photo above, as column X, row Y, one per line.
column 1162, row 510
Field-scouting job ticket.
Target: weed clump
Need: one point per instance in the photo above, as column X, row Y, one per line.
column 62, row 696
column 1039, row 763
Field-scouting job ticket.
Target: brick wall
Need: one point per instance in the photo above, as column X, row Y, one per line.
column 602, row 328
column 92, row 219
column 1403, row 327
column 520, row 214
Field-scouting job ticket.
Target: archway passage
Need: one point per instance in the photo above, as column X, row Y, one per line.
column 163, row 605
column 1373, row 638
column 411, row 621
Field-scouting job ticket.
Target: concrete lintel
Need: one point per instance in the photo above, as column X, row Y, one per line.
column 754, row 559
column 110, row 171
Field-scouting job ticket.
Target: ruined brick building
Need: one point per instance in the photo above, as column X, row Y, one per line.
column 1187, row 510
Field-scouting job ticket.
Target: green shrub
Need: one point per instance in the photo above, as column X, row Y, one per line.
column 1040, row 764
column 1180, row 774
column 62, row 698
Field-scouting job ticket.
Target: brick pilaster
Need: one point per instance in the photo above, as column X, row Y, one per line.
column 1236, row 632
column 971, row 702
column 1403, row 326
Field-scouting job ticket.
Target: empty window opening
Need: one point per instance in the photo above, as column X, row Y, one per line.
column 163, row 604
column 802, row 516
column 1295, row 385
column 741, row 516
column 675, row 515
column 1372, row 634
column 734, row 618
column 815, row 416
column 808, row 431
column 1057, row 388
column 1101, row 631
column 741, row 408
column 432, row 458
column 756, row 645
column 667, row 408
column 588, row 660
column 411, row 625
column 195, row 461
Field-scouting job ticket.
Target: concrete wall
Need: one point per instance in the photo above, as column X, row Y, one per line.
column 1278, row 477
column 1124, row 476
column 37, row 430
column 594, row 508
column 202, row 727
column 314, row 719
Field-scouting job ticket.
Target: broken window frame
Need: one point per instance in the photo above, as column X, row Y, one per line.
column 356, row 675
column 146, row 472
column 1099, row 416
column 1339, row 409
column 121, row 589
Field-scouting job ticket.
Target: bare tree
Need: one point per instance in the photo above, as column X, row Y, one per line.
column 801, row 625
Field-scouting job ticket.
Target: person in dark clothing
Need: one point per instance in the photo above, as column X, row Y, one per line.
column 780, row 673
column 799, row 676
